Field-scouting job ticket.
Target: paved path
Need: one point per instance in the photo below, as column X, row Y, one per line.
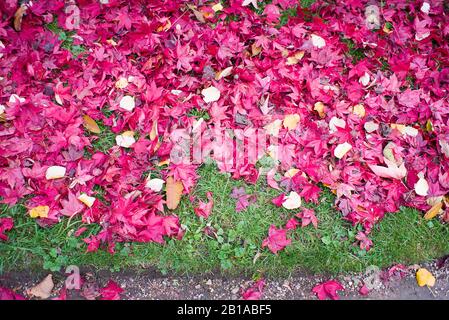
column 151, row 285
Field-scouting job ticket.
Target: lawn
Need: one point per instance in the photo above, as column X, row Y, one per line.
column 233, row 245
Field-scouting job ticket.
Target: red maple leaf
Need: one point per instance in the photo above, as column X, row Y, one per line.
column 277, row 239
column 328, row 290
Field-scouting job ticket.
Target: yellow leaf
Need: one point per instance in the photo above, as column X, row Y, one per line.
column 87, row 200
column 174, row 191
column 432, row 212
column 359, row 110
column 18, row 16
column 294, row 59
column 153, row 133
column 291, row 121
column 425, row 278
column 255, row 49
column 291, row 172
column 90, row 124
column 319, row 107
column 165, row 26
column 39, row 212
column 163, row 163
column 121, row 83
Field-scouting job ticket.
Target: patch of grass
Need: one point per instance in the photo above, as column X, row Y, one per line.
column 105, row 140
column 233, row 242
column 66, row 37
column 354, row 52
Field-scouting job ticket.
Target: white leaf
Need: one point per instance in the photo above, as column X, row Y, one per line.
column 210, row 94
column 292, row 201
column 342, row 149
column 421, row 186
column 127, row 103
column 444, row 147
column 364, row 80
column 2, row 46
column 155, row 184
column 2, row 108
column 126, row 139
column 370, row 126
column 410, row 131
column 14, row 98
column 55, row 172
column 425, row 8
column 247, row 2
column 274, row 127
column 335, row 123
column 317, row 41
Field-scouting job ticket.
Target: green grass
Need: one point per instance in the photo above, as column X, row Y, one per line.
column 403, row 237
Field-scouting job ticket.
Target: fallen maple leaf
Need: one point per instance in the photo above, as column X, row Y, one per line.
column 328, row 290
column 174, row 191
column 254, row 292
column 277, row 239
column 205, row 208
column 111, row 291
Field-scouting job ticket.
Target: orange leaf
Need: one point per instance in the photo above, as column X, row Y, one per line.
column 432, row 212
column 174, row 192
column 91, row 125
column 18, row 17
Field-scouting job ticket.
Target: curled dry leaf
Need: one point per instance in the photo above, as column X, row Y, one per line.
column 174, row 191
column 43, row 289
column 90, row 124
column 223, row 73
column 18, row 17
column 432, row 212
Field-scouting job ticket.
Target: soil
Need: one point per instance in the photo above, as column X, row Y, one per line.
column 148, row 284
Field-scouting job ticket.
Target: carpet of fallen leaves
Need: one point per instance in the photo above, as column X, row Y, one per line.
column 356, row 99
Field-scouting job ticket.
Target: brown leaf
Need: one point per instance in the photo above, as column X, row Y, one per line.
column 174, row 191
column 18, row 17
column 43, row 289
column 90, row 124
column 432, row 212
